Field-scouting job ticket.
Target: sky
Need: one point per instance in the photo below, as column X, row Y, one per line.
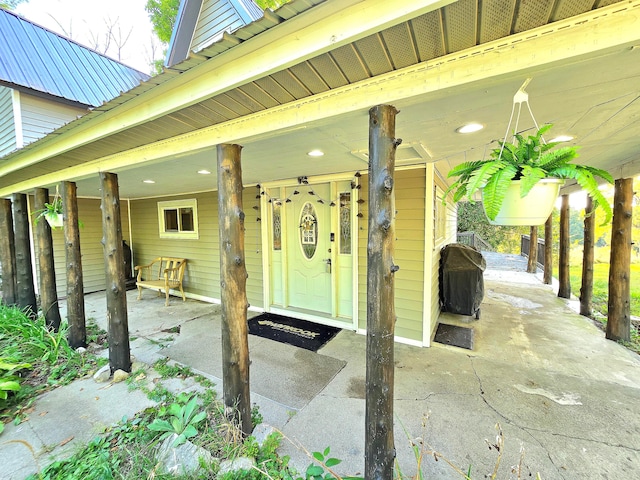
column 87, row 22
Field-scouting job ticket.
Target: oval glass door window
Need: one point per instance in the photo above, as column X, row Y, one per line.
column 308, row 230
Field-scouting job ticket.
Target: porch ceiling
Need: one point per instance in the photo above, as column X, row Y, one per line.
column 593, row 97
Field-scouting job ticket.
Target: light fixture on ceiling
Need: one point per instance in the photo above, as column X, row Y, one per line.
column 315, row 153
column 470, row 128
column 204, row 172
column 561, row 138
column 148, row 181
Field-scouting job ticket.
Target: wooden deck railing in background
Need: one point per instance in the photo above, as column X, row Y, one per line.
column 474, row 240
column 524, row 249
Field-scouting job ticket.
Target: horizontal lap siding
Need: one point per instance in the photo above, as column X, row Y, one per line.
column 216, row 16
column 91, row 250
column 409, row 253
column 40, row 116
column 449, row 237
column 7, row 125
column 202, row 276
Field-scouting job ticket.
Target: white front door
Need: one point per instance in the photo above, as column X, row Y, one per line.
column 312, row 251
column 308, row 230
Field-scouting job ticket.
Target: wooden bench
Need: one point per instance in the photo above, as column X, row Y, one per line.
column 163, row 273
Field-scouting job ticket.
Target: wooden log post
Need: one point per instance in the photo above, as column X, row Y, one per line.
column 564, row 290
column 619, row 305
column 48, row 292
column 7, row 253
column 77, row 335
column 114, row 268
column 25, row 290
column 532, row 263
column 233, row 280
column 586, row 288
column 548, row 251
column 381, row 317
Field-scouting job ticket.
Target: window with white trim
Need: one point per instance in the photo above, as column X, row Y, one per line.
column 178, row 219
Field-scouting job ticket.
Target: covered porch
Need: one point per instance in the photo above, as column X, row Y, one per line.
column 547, row 375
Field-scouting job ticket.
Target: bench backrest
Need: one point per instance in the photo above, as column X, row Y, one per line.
column 171, row 263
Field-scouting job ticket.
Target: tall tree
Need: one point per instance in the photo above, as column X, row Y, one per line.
column 162, row 14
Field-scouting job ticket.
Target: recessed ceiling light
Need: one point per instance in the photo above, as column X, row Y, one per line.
column 561, row 138
column 316, row 153
column 470, row 128
column 204, row 172
column 148, row 181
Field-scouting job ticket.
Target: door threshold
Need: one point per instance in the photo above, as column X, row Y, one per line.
column 313, row 316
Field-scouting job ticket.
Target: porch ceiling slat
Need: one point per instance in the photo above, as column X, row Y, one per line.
column 243, row 98
column 496, row 19
column 232, row 105
column 254, row 91
column 206, row 112
column 350, row 63
column 532, row 14
column 214, row 105
column 375, row 55
column 306, row 74
column 274, row 89
column 192, row 117
column 291, row 84
column 401, row 46
column 460, row 25
column 569, row 8
column 329, row 71
column 427, row 30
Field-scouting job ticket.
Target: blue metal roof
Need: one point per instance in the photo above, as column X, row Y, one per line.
column 34, row 57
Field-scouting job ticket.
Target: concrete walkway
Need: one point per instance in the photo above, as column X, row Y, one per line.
column 567, row 400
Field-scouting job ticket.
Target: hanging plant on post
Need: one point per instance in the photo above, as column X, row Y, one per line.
column 52, row 213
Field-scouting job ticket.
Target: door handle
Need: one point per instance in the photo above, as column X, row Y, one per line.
column 328, row 262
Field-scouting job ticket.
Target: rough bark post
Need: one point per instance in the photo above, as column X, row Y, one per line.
column 548, row 251
column 379, row 446
column 532, row 263
column 48, row 292
column 7, row 253
column 564, row 289
column 586, row 288
column 25, row 290
column 233, row 281
column 116, row 291
column 619, row 311
column 77, row 335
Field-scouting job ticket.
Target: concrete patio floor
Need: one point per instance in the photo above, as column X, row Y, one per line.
column 567, row 399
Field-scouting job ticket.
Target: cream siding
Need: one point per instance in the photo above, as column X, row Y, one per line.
column 93, row 272
column 202, row 277
column 449, row 236
column 215, row 17
column 409, row 253
column 7, row 125
column 40, row 116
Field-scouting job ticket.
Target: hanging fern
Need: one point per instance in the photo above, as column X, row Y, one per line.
column 529, row 160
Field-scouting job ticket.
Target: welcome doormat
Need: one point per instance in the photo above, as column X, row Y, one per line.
column 453, row 335
column 299, row 333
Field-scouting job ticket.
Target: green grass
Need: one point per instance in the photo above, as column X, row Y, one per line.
column 52, row 361
column 600, row 294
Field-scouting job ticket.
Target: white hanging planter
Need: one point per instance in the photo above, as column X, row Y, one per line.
column 55, row 220
column 534, row 209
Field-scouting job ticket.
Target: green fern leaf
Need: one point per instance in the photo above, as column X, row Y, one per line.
column 483, row 175
column 495, row 190
column 530, row 176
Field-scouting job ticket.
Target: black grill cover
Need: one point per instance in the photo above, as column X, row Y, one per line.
column 461, row 282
